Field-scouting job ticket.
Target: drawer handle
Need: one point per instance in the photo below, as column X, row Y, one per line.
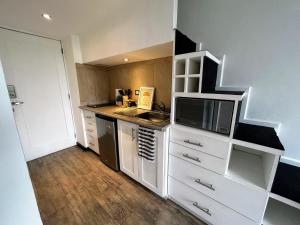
column 90, row 130
column 92, row 144
column 206, row 210
column 191, row 157
column 193, row 143
column 210, row 186
column 88, row 117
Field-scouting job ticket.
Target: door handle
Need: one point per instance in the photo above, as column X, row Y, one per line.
column 206, row 210
column 17, row 103
column 132, row 133
column 210, row 186
column 191, row 157
column 193, row 143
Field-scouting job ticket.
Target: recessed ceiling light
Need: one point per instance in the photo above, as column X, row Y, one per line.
column 126, row 59
column 46, row 16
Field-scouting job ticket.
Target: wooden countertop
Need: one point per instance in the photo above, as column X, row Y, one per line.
column 110, row 112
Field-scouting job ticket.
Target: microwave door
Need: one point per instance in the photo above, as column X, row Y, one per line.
column 222, row 116
column 208, row 113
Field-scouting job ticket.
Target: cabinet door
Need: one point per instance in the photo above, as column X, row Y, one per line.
column 152, row 174
column 127, row 134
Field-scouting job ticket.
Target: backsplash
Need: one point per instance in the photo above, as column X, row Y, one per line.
column 97, row 84
column 93, row 84
column 155, row 73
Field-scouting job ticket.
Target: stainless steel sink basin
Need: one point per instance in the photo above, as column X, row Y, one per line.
column 154, row 116
column 131, row 112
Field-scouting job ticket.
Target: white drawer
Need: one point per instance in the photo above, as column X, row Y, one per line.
column 249, row 202
column 91, row 130
column 205, row 207
column 199, row 158
column 90, row 123
column 93, row 144
column 91, row 136
column 200, row 142
column 88, row 114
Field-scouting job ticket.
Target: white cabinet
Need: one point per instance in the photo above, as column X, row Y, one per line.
column 204, row 207
column 127, row 137
column 90, row 130
column 248, row 202
column 196, row 140
column 151, row 174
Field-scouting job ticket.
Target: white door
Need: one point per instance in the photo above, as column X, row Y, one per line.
column 127, row 137
column 35, row 66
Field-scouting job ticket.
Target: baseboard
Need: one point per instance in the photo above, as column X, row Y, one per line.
column 82, row 147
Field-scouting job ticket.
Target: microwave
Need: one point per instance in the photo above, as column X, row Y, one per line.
column 207, row 114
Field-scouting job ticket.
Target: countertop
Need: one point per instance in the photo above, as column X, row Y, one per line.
column 110, row 112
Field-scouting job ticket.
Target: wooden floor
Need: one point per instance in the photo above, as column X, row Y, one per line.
column 74, row 187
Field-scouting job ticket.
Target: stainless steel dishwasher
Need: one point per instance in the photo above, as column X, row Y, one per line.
column 108, row 141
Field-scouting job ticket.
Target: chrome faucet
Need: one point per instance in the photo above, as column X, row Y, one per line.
column 161, row 106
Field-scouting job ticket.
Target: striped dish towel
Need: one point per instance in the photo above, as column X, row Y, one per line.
column 147, row 143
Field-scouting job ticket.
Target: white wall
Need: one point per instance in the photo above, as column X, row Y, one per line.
column 138, row 24
column 261, row 40
column 72, row 55
column 18, row 204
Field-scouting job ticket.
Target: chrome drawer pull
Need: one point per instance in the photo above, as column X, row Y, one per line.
column 191, row 157
column 210, row 186
column 193, row 143
column 88, row 117
column 90, row 130
column 206, row 210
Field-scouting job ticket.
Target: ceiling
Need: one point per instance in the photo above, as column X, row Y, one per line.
column 153, row 52
column 76, row 17
column 69, row 16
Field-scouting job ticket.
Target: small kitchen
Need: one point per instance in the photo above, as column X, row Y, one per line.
column 126, row 112
column 149, row 112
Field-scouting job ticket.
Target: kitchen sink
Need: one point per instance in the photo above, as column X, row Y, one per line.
column 153, row 116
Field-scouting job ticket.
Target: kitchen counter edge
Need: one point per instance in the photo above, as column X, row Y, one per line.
column 109, row 111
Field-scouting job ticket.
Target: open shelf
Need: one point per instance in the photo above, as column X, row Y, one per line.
column 180, row 67
column 193, row 84
column 194, row 65
column 279, row 213
column 251, row 167
column 179, row 84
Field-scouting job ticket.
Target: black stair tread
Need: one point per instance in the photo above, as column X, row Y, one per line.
column 261, row 135
column 183, row 44
column 287, row 182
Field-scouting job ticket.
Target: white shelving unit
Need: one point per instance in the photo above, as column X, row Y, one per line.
column 179, row 84
column 252, row 167
column 188, row 71
column 249, row 167
column 280, row 213
column 180, row 68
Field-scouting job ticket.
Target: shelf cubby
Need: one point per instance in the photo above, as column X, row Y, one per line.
column 179, row 84
column 279, row 213
column 252, row 167
column 180, row 66
column 193, row 84
column 194, row 65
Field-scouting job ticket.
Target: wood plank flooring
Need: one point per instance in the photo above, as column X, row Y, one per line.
column 74, row 188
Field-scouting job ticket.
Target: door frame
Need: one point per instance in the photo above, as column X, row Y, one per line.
column 65, row 71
